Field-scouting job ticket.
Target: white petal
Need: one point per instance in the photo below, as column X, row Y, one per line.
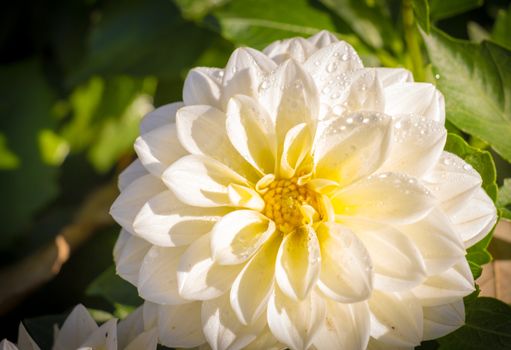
column 391, row 76
column 160, row 117
column 434, row 236
column 380, row 345
column 166, row 221
column 250, row 130
column 129, row 252
column 353, row 147
column 265, row 340
column 397, row 262
column 447, row 287
column 105, row 337
column 291, row 98
column 251, row 289
column 322, row 39
column 476, row 219
column 145, row 340
column 7, row 345
column 76, row 329
column 453, row 182
column 132, row 198
column 198, row 277
column 298, row 263
column 295, row 150
column 415, row 98
column 295, row 323
column 298, row 49
column 201, row 87
column 179, row 326
column 418, row 143
column 158, row 276
column 130, row 174
column 150, row 314
column 387, row 197
column 201, row 181
column 222, row 328
column 346, row 326
column 396, row 318
column 128, row 328
column 159, row 148
column 238, row 235
column 25, row 341
column 346, row 268
column 202, row 131
column 443, row 319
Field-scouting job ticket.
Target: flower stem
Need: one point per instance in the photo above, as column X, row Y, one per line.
column 412, row 41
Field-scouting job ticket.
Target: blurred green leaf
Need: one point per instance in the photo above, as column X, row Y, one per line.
column 501, row 33
column 487, row 326
column 477, row 33
column 504, row 199
column 476, row 82
column 41, row 329
column 421, row 10
column 440, row 9
column 482, row 161
column 195, row 9
column 8, row 159
column 369, row 20
column 257, row 23
column 25, row 107
column 54, row 148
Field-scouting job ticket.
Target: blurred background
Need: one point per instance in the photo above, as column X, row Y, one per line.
column 75, row 79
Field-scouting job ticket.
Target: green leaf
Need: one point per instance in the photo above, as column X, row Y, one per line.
column 421, row 10
column 369, row 21
column 487, row 326
column 114, row 289
column 501, row 33
column 8, row 159
column 195, row 9
column 476, row 82
column 504, row 200
column 482, row 161
column 26, row 107
column 441, row 9
column 257, row 23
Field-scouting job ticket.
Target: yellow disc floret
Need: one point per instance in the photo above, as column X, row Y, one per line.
column 290, row 205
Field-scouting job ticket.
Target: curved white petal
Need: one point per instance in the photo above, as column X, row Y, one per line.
column 202, row 87
column 476, row 219
column 418, row 143
column 322, row 39
column 130, row 174
column 253, row 286
column 129, row 252
column 295, row 150
column 239, row 234
column 105, row 337
column 222, row 328
column 161, row 116
column 298, row 49
column 298, row 263
column 440, row 245
column 453, row 182
column 265, row 340
column 391, row 76
column 346, row 326
column 130, row 327
column 25, row 341
column 132, row 198
column 396, row 319
column 415, row 98
column 198, row 277
column 346, row 269
column 295, row 323
column 76, row 329
column 251, row 132
column 386, row 197
column 159, row 148
column 144, row 340
column 447, row 287
column 202, row 131
column 352, row 147
column 179, row 326
column 443, row 319
column 201, row 181
column 380, row 345
column 398, row 264
column 166, row 221
column 157, row 280
column 150, row 314
column 7, row 345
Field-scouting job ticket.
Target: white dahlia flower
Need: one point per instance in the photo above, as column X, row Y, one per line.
column 297, row 199
column 80, row 331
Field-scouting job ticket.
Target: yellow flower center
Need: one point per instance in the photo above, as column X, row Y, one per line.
column 291, row 205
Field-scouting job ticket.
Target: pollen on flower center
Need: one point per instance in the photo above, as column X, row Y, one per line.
column 291, row 205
